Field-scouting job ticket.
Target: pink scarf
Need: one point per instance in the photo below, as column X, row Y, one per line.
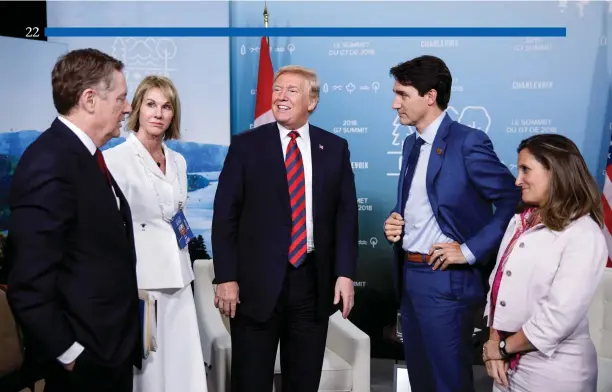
column 528, row 220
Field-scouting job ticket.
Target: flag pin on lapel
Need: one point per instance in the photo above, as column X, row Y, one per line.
column 320, row 146
column 439, row 151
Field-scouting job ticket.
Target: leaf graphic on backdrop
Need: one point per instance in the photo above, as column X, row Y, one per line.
column 475, row 117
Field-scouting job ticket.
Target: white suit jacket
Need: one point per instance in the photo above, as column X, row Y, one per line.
column 549, row 281
column 153, row 196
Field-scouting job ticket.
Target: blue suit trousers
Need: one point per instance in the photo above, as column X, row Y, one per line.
column 437, row 316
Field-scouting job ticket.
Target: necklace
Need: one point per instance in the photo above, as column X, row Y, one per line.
column 166, row 209
column 163, row 157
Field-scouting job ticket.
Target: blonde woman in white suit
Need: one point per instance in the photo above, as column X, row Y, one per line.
column 154, row 180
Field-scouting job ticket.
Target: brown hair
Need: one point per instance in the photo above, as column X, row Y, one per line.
column 573, row 191
column 79, row 70
column 167, row 88
column 308, row 74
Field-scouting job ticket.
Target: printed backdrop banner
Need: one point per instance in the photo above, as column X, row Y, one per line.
column 26, row 107
column 510, row 88
column 199, row 67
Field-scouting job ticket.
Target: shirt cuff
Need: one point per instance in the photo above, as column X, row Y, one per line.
column 71, row 354
column 467, row 253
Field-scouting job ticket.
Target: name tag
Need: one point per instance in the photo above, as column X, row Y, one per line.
column 181, row 229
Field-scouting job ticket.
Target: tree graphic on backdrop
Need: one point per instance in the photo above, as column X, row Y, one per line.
column 197, row 249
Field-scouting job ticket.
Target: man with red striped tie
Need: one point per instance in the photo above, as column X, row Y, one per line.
column 284, row 238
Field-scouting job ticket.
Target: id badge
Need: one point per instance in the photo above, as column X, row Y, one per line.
column 181, row 229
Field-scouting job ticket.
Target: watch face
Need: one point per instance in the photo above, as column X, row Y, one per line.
column 502, row 344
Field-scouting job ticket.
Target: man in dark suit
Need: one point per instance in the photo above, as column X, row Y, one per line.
column 284, row 238
column 72, row 286
column 443, row 227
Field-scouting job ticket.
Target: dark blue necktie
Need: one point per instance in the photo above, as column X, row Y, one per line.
column 413, row 158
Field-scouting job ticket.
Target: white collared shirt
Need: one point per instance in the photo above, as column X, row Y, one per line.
column 303, row 143
column 91, row 146
column 421, row 229
column 85, row 139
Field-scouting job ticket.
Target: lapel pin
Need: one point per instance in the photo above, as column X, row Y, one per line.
column 320, row 146
column 439, row 151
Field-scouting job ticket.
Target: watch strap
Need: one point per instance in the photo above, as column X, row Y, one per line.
column 502, row 349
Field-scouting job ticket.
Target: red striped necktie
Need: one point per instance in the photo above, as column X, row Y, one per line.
column 297, row 197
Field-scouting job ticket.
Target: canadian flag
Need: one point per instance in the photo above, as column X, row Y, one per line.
column 265, row 80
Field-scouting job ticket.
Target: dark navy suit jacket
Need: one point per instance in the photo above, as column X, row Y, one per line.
column 465, row 179
column 251, row 227
column 71, row 251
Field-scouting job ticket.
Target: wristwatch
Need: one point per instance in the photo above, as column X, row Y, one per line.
column 502, row 349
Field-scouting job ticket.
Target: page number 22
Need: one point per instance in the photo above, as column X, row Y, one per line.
column 32, row 32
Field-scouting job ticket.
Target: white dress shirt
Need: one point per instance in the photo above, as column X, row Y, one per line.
column 303, row 143
column 86, row 140
column 421, row 229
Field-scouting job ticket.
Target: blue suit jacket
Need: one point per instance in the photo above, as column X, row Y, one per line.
column 251, row 228
column 465, row 179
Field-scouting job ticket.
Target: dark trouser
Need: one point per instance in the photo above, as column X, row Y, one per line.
column 437, row 314
column 301, row 334
column 89, row 376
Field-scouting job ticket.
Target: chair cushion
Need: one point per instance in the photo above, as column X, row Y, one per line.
column 337, row 375
column 604, row 377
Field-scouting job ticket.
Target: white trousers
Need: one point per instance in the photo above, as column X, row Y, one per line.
column 178, row 364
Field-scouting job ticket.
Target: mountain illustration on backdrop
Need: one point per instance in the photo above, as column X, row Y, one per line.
column 204, row 162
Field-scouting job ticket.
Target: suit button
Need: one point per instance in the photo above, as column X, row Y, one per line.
column 503, row 303
column 522, row 245
column 509, row 273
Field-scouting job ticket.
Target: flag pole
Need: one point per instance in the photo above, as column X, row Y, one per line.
column 266, row 18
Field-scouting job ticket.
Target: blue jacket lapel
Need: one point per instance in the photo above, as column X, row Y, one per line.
column 438, row 150
column 408, row 143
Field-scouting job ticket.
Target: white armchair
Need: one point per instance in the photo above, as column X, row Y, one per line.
column 600, row 323
column 346, row 365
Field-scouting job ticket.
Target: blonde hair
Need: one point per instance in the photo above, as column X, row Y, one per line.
column 306, row 73
column 167, row 88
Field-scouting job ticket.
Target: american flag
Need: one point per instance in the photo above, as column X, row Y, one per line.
column 606, row 199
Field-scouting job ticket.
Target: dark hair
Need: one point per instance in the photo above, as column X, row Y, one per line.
column 426, row 73
column 79, row 70
column 573, row 191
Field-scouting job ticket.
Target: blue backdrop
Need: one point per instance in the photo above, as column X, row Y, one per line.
column 510, row 88
column 199, row 67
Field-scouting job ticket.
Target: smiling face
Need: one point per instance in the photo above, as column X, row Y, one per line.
column 291, row 100
column 155, row 113
column 533, row 179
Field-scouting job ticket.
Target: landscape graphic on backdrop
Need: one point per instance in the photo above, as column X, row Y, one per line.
column 205, row 117
column 204, row 162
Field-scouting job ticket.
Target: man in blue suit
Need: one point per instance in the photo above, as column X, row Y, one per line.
column 284, row 237
column 444, row 230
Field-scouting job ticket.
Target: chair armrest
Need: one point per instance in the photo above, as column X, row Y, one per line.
column 214, row 336
column 352, row 345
